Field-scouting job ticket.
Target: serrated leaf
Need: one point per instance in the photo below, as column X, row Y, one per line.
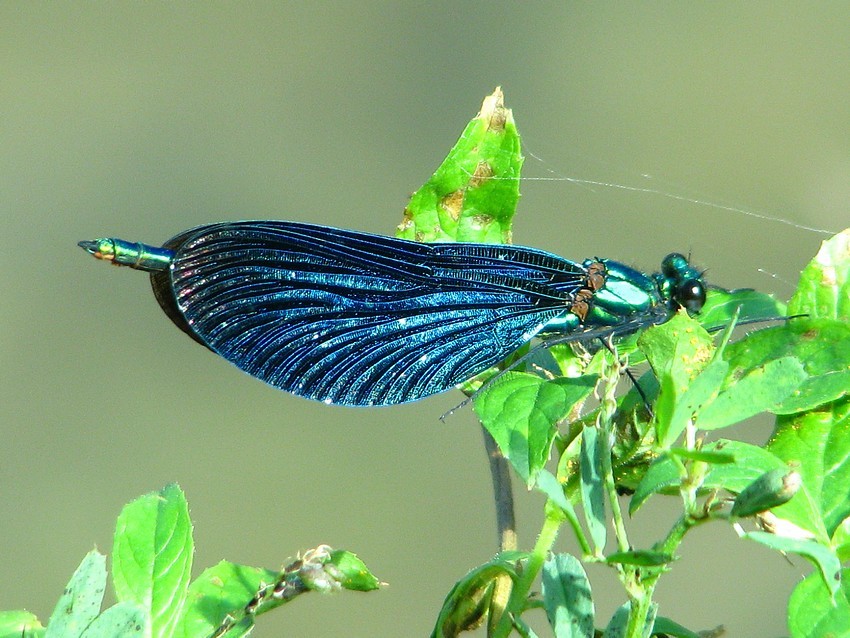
column 567, row 597
column 520, row 411
column 80, row 603
column 818, row 444
column 814, row 613
column 123, row 620
column 824, row 288
column 472, row 196
column 593, row 446
column 152, row 556
column 823, row 557
column 760, row 389
column 20, row 623
column 219, row 591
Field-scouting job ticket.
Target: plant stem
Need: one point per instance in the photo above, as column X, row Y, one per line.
column 605, row 422
column 640, row 607
column 677, row 534
column 581, row 538
column 519, row 595
column 505, row 522
column 502, row 494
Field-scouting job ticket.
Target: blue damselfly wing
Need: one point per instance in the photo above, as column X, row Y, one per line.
column 356, row 319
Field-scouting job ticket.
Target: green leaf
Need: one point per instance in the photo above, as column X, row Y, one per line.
column 771, row 489
column 468, row 600
column 472, row 196
column 351, row 572
column 662, row 475
column 123, row 620
column 20, row 624
column 521, row 411
column 219, row 591
column 223, row 592
column 720, row 307
column 666, row 627
column 813, row 612
column 567, row 597
column 552, row 488
column 841, row 540
column 665, row 408
column 750, row 463
column 818, row 444
column 678, row 351
column 523, row 629
column 639, row 557
column 701, row 391
column 824, row 288
column 822, row 556
column 152, row 556
column 679, row 348
column 821, row 345
column 760, row 389
column 80, row 603
column 702, row 455
column 593, row 446
column 617, row 625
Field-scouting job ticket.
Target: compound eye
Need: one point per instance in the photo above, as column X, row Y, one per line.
column 691, row 295
column 673, row 264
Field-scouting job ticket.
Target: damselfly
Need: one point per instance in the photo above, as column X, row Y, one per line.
column 356, row 319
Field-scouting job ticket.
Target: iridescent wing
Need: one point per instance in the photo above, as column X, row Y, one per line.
column 357, row 319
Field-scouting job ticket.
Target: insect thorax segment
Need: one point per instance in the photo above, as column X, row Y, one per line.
column 594, row 282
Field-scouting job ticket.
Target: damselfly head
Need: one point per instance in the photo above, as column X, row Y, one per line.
column 691, row 295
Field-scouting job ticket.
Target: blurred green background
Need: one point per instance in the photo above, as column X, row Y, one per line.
column 143, row 119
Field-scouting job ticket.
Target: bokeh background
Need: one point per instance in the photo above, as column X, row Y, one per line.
column 143, row 119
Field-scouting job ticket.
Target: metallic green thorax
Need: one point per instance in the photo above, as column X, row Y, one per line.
column 630, row 295
column 125, row 253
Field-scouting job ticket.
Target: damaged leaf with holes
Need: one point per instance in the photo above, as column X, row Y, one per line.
column 473, row 195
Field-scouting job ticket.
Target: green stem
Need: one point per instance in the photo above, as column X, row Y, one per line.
column 578, row 532
column 677, row 534
column 639, row 609
column 532, row 568
column 613, row 498
column 605, row 423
